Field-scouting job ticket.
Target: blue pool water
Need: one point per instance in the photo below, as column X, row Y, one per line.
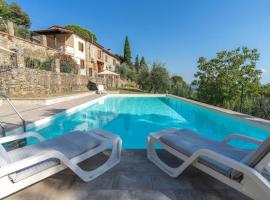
column 133, row 118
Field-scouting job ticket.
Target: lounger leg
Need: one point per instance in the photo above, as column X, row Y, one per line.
column 111, row 162
column 152, row 155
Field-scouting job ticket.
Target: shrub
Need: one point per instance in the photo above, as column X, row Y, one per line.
column 261, row 107
column 47, row 64
column 34, row 63
column 22, row 32
column 67, row 63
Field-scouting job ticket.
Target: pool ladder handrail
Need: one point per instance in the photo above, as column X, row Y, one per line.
column 3, row 128
column 16, row 111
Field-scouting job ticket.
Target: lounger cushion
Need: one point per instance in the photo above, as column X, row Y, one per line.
column 255, row 157
column 71, row 145
column 187, row 142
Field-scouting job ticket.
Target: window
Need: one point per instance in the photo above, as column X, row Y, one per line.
column 114, row 62
column 106, row 58
column 81, row 63
column 99, row 54
column 109, row 67
column 81, row 46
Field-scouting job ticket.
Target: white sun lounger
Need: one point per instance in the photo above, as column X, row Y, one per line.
column 238, row 168
column 24, row 166
column 101, row 89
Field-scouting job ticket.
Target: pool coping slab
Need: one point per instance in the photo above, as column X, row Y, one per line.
column 255, row 121
column 49, row 100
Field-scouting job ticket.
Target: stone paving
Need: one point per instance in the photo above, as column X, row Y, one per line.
column 135, row 178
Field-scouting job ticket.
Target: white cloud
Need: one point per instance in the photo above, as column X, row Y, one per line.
column 264, row 71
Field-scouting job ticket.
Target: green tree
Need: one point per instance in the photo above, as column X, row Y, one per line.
column 179, row 87
column 229, row 79
column 265, row 90
column 142, row 62
column 159, row 78
column 22, row 32
column 4, row 10
column 137, row 64
column 82, row 32
column 14, row 13
column 18, row 16
column 143, row 78
column 261, row 103
column 261, row 107
column 121, row 69
column 126, row 71
column 127, row 52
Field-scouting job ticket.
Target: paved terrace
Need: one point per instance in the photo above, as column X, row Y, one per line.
column 134, row 178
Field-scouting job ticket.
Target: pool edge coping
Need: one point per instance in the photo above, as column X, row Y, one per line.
column 255, row 121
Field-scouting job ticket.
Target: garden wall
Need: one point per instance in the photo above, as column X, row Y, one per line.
column 21, row 81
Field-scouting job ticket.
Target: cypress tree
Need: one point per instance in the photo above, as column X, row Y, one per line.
column 142, row 62
column 137, row 63
column 127, row 52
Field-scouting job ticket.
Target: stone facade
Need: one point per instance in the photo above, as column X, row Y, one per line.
column 5, row 58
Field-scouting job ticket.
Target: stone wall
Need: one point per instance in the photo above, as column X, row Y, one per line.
column 5, row 58
column 21, row 81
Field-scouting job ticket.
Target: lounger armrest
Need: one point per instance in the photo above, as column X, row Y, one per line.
column 30, row 161
column 242, row 137
column 246, row 170
column 221, row 159
column 21, row 136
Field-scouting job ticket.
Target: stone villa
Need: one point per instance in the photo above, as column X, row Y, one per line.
column 89, row 55
column 17, row 79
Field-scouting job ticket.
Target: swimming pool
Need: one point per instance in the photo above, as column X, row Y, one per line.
column 134, row 117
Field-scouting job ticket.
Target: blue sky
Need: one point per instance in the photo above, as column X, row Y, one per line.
column 175, row 32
